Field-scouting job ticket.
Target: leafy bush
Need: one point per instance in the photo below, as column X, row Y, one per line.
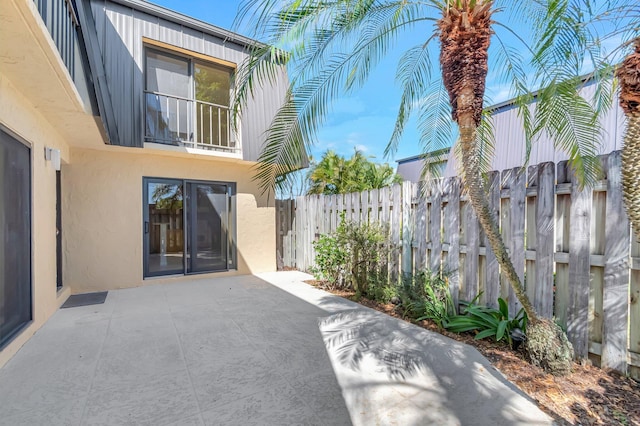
column 438, row 305
column 354, row 257
column 330, row 262
column 489, row 322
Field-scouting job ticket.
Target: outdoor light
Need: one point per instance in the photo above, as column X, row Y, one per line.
column 52, row 155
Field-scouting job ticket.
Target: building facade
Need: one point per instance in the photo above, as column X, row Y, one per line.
column 119, row 164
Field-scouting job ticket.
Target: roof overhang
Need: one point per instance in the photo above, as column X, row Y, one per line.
column 31, row 62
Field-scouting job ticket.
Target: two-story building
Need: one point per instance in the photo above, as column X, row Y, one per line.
column 119, row 163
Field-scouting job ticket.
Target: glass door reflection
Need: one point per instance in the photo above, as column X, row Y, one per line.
column 207, row 211
column 164, row 227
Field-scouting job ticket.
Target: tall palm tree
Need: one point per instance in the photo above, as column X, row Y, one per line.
column 629, row 75
column 333, row 46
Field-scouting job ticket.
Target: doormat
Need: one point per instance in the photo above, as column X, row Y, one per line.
column 85, row 299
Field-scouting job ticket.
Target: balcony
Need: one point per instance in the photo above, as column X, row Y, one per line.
column 61, row 20
column 179, row 121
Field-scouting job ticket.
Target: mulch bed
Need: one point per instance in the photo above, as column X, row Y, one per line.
column 588, row 396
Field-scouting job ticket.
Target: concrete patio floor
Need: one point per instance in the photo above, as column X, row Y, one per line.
column 261, row 350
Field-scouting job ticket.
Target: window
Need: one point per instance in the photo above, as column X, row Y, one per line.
column 189, row 226
column 15, row 237
column 187, row 102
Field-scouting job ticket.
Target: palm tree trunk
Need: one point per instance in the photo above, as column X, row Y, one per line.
column 629, row 76
column 631, row 170
column 474, row 185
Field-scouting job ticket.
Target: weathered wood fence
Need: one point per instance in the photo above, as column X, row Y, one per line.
column 571, row 246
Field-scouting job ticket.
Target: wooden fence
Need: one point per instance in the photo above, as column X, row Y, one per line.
column 572, row 247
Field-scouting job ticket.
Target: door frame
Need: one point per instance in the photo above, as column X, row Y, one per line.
column 191, row 236
column 146, row 227
column 6, row 341
column 59, row 277
column 231, row 236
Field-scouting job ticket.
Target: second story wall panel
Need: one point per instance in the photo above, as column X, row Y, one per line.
column 121, row 27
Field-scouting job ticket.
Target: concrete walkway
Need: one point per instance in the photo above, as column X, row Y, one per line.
column 266, row 350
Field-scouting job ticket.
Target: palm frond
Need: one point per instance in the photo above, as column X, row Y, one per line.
column 414, row 75
column 572, row 123
column 317, row 83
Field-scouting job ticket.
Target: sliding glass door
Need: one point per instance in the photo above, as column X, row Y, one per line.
column 208, row 240
column 164, row 227
column 186, row 226
column 15, row 236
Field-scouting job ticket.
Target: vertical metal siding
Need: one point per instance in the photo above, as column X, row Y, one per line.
column 120, row 31
column 259, row 113
column 510, row 140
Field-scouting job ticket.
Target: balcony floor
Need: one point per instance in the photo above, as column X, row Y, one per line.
column 267, row 350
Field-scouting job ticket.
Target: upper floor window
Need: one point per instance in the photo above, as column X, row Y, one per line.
column 187, row 102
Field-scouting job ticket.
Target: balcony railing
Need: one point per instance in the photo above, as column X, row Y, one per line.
column 61, row 20
column 175, row 120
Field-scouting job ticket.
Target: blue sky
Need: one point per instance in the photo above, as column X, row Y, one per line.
column 364, row 120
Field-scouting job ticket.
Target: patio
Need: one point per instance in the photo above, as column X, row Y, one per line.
column 264, row 350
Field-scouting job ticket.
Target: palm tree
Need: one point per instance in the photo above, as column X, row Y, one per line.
column 334, row 174
column 333, row 46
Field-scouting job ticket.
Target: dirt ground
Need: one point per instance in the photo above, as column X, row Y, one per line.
column 588, row 396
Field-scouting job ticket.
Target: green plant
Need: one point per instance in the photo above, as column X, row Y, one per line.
column 355, row 257
column 437, row 304
column 488, row 322
column 330, row 261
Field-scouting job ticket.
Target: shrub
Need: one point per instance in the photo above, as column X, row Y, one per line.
column 488, row 322
column 330, row 261
column 354, row 257
column 438, row 304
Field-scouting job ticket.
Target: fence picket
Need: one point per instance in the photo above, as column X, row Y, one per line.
column 396, row 217
column 563, row 211
column 492, row 272
column 517, row 197
column 531, row 239
column 420, row 236
column 407, row 231
column 364, row 207
column 579, row 268
column 472, row 240
column 543, row 299
column 374, row 200
column 435, row 233
column 616, row 271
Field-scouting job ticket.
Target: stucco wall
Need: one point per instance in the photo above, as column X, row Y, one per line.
column 103, row 207
column 21, row 118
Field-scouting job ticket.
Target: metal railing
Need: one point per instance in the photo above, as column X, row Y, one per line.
column 61, row 20
column 176, row 120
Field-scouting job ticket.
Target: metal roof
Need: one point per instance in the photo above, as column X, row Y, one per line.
column 187, row 21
